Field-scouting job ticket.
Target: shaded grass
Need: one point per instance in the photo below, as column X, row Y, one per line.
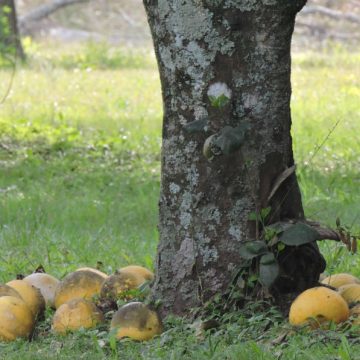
column 79, row 183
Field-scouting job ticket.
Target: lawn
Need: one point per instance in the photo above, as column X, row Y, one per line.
column 80, row 136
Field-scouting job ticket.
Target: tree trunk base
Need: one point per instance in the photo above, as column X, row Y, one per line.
column 300, row 269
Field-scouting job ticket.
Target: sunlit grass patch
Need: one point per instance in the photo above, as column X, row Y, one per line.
column 326, row 124
column 89, row 55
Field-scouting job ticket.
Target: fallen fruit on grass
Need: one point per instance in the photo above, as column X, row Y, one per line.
column 76, row 314
column 46, row 284
column 79, row 284
column 96, row 271
column 317, row 305
column 6, row 290
column 31, row 295
column 139, row 270
column 355, row 314
column 337, row 280
column 16, row 318
column 136, row 321
column 350, row 292
column 119, row 285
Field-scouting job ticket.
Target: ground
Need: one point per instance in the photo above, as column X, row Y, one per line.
column 79, row 182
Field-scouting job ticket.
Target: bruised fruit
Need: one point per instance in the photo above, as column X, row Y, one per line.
column 136, row 321
column 46, row 284
column 96, row 271
column 31, row 295
column 138, row 270
column 337, row 280
column 79, row 284
column 318, row 305
column 76, row 314
column 355, row 314
column 350, row 292
column 16, row 318
column 6, row 290
column 119, row 285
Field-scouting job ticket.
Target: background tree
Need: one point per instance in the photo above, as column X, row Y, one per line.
column 225, row 75
column 42, row 11
column 10, row 42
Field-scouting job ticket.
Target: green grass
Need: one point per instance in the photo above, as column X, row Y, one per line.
column 81, row 171
column 326, row 124
column 80, row 141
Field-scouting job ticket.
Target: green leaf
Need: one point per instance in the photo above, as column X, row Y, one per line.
column 280, row 246
column 196, row 126
column 270, row 236
column 252, row 249
column 112, row 339
column 230, row 139
column 280, row 226
column 299, row 234
column 265, row 212
column 253, row 278
column 268, row 259
column 253, row 216
column 268, row 270
column 219, row 101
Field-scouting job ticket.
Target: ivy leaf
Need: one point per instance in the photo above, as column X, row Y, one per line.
column 252, row 249
column 268, row 259
column 299, row 234
column 280, row 226
column 219, row 101
column 280, row 247
column 230, row 139
column 253, row 216
column 196, row 126
column 268, row 270
column 265, row 212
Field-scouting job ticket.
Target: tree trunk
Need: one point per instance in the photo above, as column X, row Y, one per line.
column 225, row 75
column 10, row 43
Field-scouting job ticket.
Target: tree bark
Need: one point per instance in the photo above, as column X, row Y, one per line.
column 236, row 51
column 10, row 41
